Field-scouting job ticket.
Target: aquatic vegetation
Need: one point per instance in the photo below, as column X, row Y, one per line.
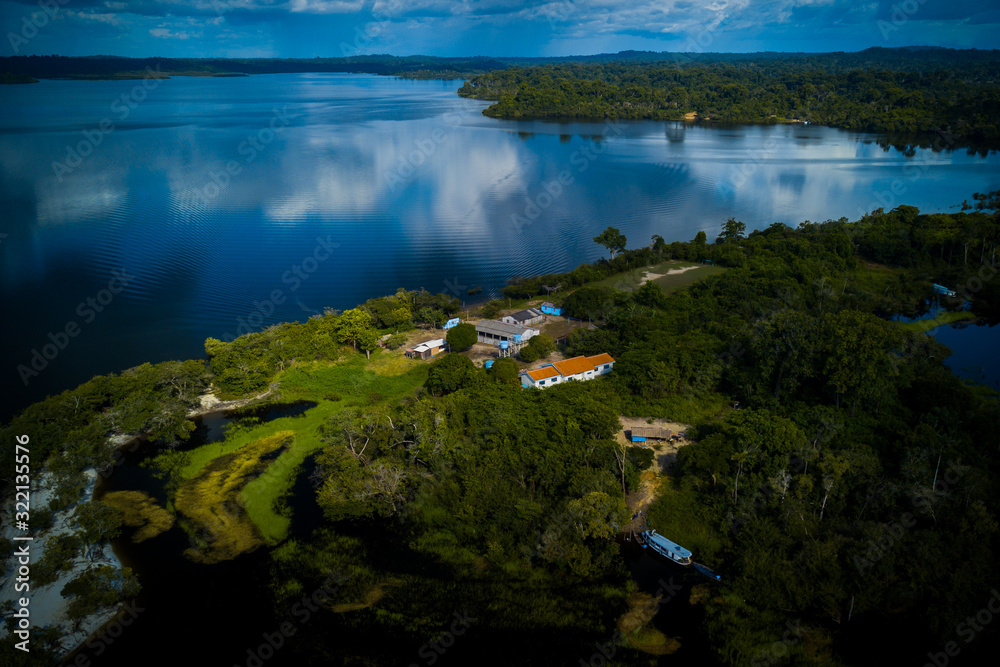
column 141, row 512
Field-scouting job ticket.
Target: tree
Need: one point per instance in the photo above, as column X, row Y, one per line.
column 462, row 336
column 97, row 587
column 612, row 239
column 504, row 371
column 451, row 373
column 700, row 239
column 538, row 347
column 98, row 523
column 732, row 230
column 355, row 326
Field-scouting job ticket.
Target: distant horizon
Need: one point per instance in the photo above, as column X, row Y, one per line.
column 493, row 28
column 916, row 47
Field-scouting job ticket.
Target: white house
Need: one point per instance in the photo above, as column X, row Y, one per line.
column 577, row 368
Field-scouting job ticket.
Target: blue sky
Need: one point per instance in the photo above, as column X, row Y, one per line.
column 308, row 28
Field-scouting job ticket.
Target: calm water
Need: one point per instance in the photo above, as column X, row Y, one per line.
column 344, row 187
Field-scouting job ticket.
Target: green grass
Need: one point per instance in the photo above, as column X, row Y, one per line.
column 355, row 380
column 632, row 280
column 946, row 317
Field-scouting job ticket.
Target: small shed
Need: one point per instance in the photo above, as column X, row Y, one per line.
column 427, row 349
column 550, row 308
column 643, row 433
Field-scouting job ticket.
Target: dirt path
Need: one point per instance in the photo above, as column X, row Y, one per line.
column 665, row 453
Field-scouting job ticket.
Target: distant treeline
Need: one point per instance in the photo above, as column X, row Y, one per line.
column 110, row 67
column 878, row 90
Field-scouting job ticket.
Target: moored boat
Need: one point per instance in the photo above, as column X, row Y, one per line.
column 665, row 547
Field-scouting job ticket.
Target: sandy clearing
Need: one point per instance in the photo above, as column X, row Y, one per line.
column 647, row 276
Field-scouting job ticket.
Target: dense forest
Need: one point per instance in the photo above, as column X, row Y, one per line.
column 888, row 91
column 842, row 480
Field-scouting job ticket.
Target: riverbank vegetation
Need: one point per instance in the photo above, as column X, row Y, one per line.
column 841, row 478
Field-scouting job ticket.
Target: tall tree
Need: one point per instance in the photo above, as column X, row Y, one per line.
column 612, row 239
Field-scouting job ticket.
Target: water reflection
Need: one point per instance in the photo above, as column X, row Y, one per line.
column 212, row 192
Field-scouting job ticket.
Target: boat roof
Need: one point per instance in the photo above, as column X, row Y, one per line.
column 654, row 536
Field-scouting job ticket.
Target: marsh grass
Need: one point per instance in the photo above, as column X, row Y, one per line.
column 212, row 505
column 142, row 512
column 354, row 381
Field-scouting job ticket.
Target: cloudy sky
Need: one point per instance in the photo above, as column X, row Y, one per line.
column 308, row 28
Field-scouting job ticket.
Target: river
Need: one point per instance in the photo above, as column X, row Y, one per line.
column 140, row 219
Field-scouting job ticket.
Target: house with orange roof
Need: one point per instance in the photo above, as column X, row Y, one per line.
column 577, row 368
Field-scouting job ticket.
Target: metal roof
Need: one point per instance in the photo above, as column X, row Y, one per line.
column 499, row 328
column 650, row 432
column 528, row 314
column 429, row 345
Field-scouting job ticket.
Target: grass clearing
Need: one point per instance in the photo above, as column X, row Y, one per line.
column 630, row 281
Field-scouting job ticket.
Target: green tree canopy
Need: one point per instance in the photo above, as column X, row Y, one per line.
column 462, row 336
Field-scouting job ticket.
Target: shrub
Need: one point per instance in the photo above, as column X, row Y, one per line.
column 491, row 309
column 395, row 341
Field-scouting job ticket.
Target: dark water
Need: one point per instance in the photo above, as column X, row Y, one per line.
column 975, row 351
column 208, row 614
column 233, row 203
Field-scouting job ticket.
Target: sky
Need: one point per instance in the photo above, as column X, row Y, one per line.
column 311, row 28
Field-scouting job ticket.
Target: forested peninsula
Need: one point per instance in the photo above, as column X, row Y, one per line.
column 897, row 92
column 839, row 477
